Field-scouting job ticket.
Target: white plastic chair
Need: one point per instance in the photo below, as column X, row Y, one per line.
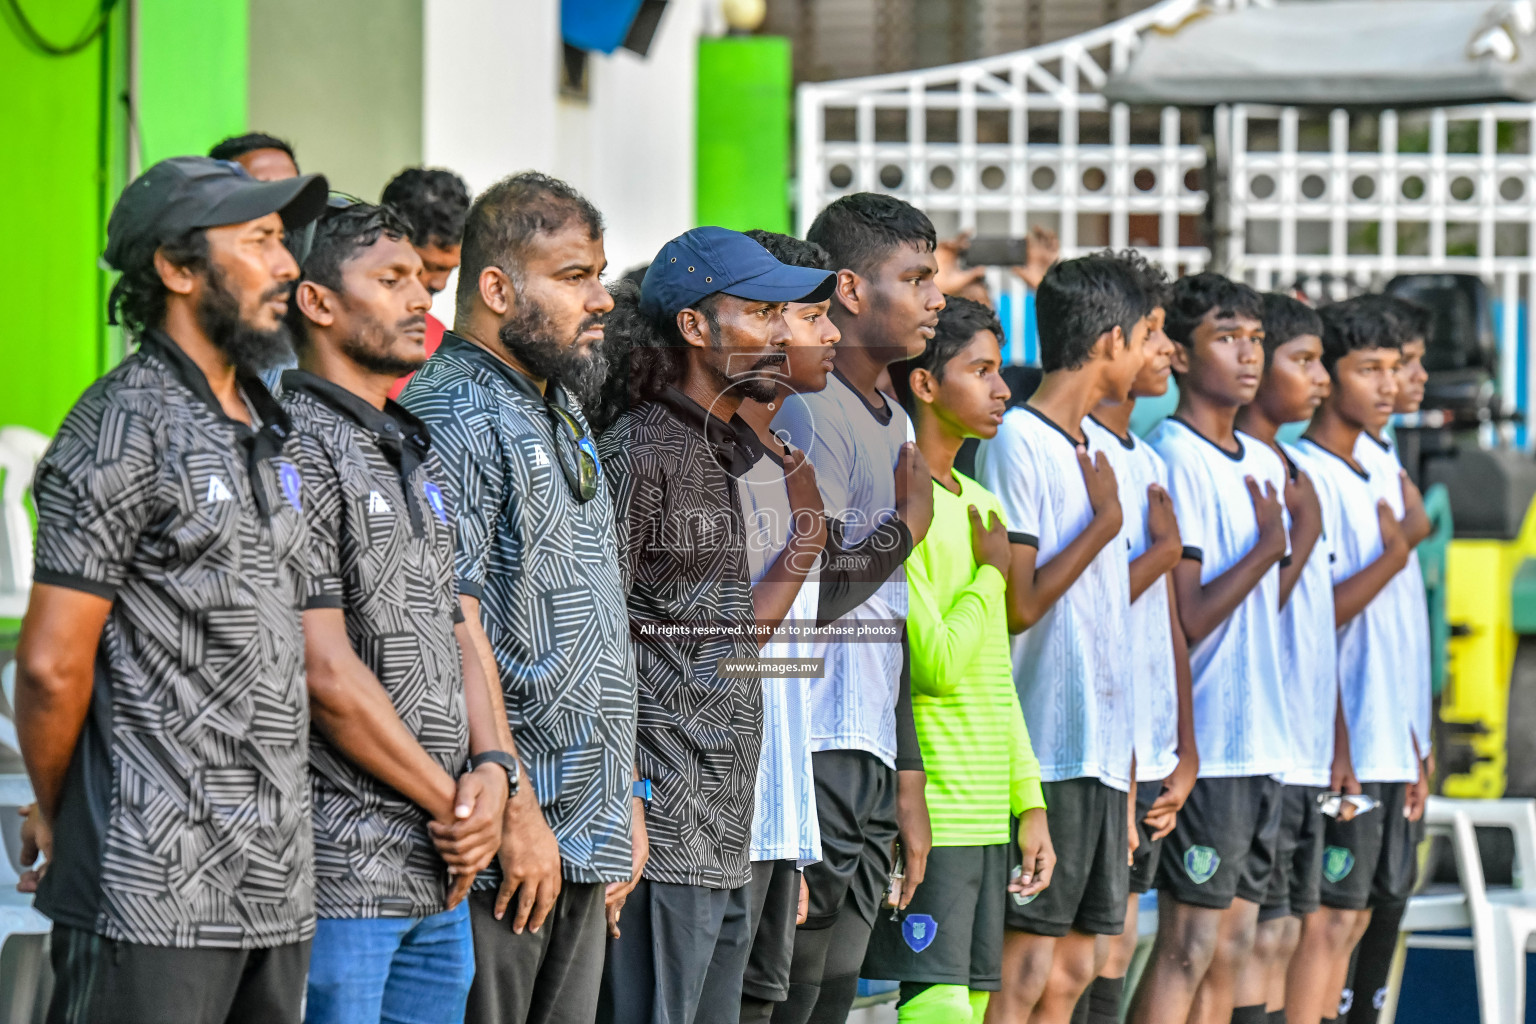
column 20, row 450
column 1502, row 919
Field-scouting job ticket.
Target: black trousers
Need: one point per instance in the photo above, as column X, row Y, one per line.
column 546, row 977
column 104, row 981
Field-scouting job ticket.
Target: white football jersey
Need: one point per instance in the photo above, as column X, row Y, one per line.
column 1378, row 708
column 1070, row 667
column 1309, row 653
column 1380, row 459
column 1239, row 694
column 784, row 824
column 1149, row 637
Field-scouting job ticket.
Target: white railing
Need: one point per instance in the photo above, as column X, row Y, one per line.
column 999, row 144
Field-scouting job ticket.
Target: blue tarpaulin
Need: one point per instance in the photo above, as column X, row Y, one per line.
column 599, row 25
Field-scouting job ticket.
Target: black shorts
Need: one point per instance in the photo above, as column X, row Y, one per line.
column 952, row 931
column 103, row 981
column 1092, row 879
column 1297, row 879
column 1223, row 846
column 775, row 904
column 856, row 808
column 1373, row 859
column 1149, row 851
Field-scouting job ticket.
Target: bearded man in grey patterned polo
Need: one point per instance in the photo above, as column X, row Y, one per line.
column 160, row 675
column 537, row 567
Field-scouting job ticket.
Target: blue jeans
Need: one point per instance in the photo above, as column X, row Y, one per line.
column 396, row 970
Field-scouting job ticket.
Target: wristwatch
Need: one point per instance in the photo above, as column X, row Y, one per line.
column 507, row 761
column 641, row 790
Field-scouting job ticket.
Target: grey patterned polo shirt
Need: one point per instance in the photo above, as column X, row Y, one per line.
column 683, row 538
column 545, row 567
column 383, row 553
column 185, row 817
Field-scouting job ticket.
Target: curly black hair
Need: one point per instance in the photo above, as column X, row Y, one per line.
column 862, row 230
column 137, row 300
column 433, row 201
column 645, row 356
column 1194, row 296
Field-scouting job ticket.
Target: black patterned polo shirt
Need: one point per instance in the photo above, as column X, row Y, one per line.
column 674, row 469
column 185, row 817
column 383, row 553
column 545, row 568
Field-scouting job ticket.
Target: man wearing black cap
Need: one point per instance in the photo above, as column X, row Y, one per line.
column 706, row 332
column 160, row 694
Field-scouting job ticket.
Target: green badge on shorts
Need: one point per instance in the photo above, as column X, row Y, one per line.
column 1200, row 863
column 1337, row 863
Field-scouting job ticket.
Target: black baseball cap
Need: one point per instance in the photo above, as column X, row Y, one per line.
column 706, row 260
column 187, row 192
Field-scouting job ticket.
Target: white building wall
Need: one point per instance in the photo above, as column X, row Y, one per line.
column 492, row 108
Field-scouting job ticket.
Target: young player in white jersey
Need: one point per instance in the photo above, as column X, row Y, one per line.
column 1293, row 386
column 1167, row 761
column 1366, row 860
column 1226, row 488
column 1378, row 454
column 1068, row 592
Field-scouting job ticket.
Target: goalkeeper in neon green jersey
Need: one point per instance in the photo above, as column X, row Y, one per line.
column 946, row 948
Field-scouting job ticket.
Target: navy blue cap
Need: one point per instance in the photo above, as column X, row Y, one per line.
column 709, row 259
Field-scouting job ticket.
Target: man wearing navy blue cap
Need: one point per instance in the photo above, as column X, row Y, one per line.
column 706, row 332
column 160, row 696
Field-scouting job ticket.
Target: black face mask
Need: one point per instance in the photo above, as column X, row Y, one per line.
column 249, row 350
column 530, row 337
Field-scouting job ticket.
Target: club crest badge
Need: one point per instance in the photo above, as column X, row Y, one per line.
column 288, row 476
column 1337, row 863
column 1200, row 863
column 434, row 497
column 918, row 930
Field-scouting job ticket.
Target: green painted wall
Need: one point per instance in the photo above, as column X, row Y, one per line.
column 60, row 149
column 192, row 63
column 744, row 97
column 67, row 124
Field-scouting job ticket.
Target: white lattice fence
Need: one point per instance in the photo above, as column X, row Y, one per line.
column 996, row 145
column 999, row 144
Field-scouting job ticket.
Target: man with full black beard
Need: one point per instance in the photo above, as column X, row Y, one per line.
column 160, row 694
column 706, row 331
column 537, row 571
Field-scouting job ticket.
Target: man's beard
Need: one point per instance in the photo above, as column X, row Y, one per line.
column 369, row 347
column 248, row 348
column 530, row 338
column 760, row 383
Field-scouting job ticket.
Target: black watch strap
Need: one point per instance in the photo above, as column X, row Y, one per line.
column 506, row 760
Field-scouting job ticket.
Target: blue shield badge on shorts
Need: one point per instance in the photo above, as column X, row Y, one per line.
column 288, row 476
column 1200, row 863
column 918, row 930
column 1338, row 862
